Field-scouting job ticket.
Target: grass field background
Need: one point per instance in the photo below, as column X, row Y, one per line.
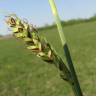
column 23, row 74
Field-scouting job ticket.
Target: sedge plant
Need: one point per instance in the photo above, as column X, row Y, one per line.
column 40, row 47
column 43, row 49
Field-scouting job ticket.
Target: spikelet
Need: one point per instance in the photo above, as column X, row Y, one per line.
column 30, row 35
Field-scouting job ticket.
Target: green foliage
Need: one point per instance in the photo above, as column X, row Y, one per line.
column 72, row 22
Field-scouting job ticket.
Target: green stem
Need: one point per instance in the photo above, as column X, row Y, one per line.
column 56, row 16
column 75, row 85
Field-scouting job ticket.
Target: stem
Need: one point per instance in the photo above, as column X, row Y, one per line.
column 75, row 85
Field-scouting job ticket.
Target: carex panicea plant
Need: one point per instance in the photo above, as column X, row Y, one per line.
column 40, row 46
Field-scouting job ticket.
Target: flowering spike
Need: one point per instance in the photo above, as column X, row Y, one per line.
column 38, row 45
